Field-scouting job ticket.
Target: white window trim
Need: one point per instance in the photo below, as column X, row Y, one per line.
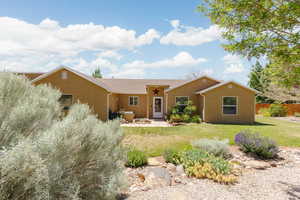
column 182, row 96
column 138, row 100
column 237, row 106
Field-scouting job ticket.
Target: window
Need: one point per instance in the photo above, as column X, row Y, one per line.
column 64, row 75
column 229, row 105
column 133, row 100
column 181, row 102
column 66, row 101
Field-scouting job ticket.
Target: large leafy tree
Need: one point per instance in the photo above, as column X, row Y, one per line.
column 268, row 29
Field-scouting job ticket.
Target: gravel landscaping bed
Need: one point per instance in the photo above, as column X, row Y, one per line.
column 274, row 182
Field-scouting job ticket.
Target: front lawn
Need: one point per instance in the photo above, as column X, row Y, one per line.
column 154, row 140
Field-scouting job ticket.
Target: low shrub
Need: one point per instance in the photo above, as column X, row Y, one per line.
column 185, row 118
column 215, row 147
column 200, row 164
column 297, row 114
column 172, row 156
column 196, row 119
column 250, row 142
column 184, row 113
column 175, row 118
column 190, row 109
column 136, row 158
column 264, row 112
column 277, row 110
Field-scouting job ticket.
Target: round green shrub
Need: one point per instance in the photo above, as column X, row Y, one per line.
column 172, row 156
column 186, row 118
column 196, row 119
column 175, row 118
column 277, row 110
column 136, row 158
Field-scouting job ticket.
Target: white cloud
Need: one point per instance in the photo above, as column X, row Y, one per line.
column 182, row 59
column 110, row 54
column 138, row 68
column 27, row 46
column 234, row 68
column 175, row 23
column 190, row 36
column 129, row 73
column 233, row 64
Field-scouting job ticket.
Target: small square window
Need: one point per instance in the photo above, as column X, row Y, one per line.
column 64, row 75
column 133, row 100
column 229, row 105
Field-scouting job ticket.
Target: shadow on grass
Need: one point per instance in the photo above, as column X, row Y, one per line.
column 254, row 124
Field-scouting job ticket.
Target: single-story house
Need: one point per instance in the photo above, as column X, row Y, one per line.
column 216, row 101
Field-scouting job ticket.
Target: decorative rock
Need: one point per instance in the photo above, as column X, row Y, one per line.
column 171, row 167
column 141, row 176
column 156, row 176
column 180, row 170
column 153, row 162
column 255, row 164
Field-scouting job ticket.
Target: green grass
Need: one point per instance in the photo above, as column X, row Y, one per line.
column 153, row 140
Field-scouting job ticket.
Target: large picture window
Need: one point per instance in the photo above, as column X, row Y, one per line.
column 182, row 102
column 133, row 100
column 229, row 105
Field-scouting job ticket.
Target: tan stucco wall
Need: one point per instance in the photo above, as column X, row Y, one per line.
column 139, row 110
column 213, row 105
column 81, row 89
column 114, row 102
column 189, row 90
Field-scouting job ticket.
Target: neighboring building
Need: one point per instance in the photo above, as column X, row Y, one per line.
column 216, row 101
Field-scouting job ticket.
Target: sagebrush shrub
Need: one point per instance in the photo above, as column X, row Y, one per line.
column 250, row 142
column 277, row 110
column 172, row 156
column 25, row 110
column 46, row 157
column 136, row 158
column 213, row 146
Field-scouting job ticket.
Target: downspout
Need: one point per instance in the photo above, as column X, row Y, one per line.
column 203, row 111
column 108, row 95
column 166, row 95
column 147, row 103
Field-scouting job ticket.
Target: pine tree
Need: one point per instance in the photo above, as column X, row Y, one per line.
column 258, row 80
column 97, row 73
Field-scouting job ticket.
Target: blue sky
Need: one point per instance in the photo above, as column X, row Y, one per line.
column 128, row 39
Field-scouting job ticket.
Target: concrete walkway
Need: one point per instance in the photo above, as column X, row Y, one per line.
column 153, row 123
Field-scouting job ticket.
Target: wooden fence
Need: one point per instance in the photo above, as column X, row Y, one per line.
column 291, row 108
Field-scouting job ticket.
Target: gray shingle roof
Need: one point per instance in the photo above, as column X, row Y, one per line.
column 136, row 86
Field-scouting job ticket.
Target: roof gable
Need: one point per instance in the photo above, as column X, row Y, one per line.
column 88, row 78
column 187, row 82
column 225, row 83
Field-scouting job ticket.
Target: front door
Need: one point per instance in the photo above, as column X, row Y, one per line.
column 157, row 107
